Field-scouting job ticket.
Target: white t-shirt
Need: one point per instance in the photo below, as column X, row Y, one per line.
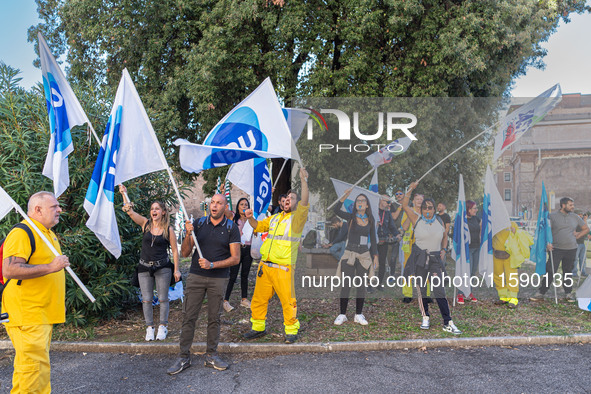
column 429, row 236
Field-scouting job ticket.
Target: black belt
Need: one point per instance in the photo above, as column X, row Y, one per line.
column 155, row 264
column 244, row 245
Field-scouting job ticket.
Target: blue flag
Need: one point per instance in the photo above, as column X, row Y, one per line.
column 543, row 235
column 64, row 112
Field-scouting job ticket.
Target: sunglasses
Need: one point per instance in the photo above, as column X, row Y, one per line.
column 429, row 208
column 399, row 194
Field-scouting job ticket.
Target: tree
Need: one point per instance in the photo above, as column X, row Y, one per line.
column 194, row 60
column 24, row 139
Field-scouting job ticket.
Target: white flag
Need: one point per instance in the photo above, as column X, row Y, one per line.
column 374, row 198
column 495, row 218
column 584, row 295
column 129, row 149
column 461, row 241
column 387, row 153
column 525, row 117
column 64, row 112
column 6, row 204
column 257, row 123
column 296, row 119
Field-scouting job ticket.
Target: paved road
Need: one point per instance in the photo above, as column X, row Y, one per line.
column 493, row 369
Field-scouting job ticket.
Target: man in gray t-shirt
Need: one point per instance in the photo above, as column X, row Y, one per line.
column 563, row 249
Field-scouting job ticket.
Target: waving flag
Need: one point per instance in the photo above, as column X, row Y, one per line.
column 461, row 241
column 6, row 204
column 374, row 199
column 129, row 149
column 584, row 295
column 257, row 123
column 296, row 119
column 495, row 218
column 64, row 112
column 387, row 153
column 543, row 235
column 373, row 185
column 196, row 158
column 253, row 178
column 525, row 117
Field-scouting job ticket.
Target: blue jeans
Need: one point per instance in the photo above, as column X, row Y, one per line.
column 474, row 257
column 162, row 279
column 580, row 259
column 337, row 250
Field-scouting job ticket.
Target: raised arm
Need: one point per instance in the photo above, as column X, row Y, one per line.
column 128, row 208
column 410, row 213
column 305, row 191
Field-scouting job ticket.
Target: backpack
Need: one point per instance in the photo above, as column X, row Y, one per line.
column 33, row 246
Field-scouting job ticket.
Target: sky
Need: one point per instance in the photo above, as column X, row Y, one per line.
column 568, row 60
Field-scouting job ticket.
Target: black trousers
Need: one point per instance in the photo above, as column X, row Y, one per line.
column 352, row 271
column 567, row 257
column 382, row 257
column 435, row 269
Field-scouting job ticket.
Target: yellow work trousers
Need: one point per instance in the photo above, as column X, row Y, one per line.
column 507, row 285
column 274, row 280
column 31, row 360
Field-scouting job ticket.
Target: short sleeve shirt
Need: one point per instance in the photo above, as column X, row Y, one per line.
column 39, row 300
column 214, row 241
column 563, row 228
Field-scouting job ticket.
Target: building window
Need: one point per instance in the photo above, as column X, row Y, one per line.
column 507, row 176
column 507, row 194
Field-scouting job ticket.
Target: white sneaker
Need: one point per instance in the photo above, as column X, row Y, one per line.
column 340, row 320
column 245, row 303
column 361, row 320
column 228, row 307
column 150, row 334
column 451, row 328
column 426, row 324
column 162, row 332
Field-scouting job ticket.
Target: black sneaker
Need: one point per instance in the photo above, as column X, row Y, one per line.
column 213, row 361
column 252, row 334
column 291, row 338
column 407, row 300
column 179, row 365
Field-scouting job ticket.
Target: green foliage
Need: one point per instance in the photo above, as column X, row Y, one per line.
column 194, row 60
column 24, row 139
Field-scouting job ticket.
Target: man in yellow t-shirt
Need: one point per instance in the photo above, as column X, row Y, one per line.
column 35, row 296
column 279, row 254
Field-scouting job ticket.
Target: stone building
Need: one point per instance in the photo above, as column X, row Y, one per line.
column 556, row 151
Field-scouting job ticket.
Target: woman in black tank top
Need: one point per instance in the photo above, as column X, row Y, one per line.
column 155, row 267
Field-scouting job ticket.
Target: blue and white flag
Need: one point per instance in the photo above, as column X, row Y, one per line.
column 495, row 218
column 341, row 187
column 525, row 117
column 64, row 112
column 584, row 295
column 543, row 235
column 257, row 123
column 6, row 204
column 373, row 185
column 388, row 152
column 461, row 241
column 254, row 178
column 196, row 158
column 129, row 149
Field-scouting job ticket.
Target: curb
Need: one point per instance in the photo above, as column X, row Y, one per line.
column 317, row 347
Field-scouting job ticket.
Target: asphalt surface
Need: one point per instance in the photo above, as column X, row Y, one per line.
column 522, row 369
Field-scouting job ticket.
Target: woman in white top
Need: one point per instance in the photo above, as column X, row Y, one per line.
column 426, row 259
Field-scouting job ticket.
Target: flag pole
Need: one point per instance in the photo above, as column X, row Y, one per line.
column 53, row 249
column 452, row 153
column 553, row 273
column 280, row 171
column 356, row 183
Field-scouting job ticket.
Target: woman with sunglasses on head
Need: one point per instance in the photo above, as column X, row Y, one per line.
column 245, row 258
column 426, row 259
column 361, row 254
column 155, row 267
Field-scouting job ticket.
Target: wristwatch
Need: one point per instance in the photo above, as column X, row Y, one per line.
column 210, row 265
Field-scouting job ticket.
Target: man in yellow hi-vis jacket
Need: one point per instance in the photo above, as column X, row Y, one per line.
column 279, row 254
